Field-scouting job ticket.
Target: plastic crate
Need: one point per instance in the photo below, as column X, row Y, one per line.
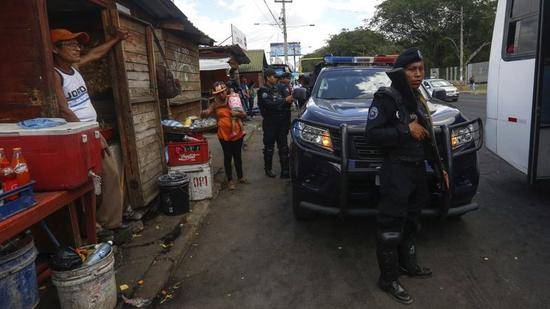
column 24, row 201
column 187, row 153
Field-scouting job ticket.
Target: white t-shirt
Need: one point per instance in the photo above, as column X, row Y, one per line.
column 77, row 96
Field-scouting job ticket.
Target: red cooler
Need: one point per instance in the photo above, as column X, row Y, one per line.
column 59, row 158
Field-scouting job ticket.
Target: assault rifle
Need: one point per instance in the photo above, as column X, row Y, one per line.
column 409, row 99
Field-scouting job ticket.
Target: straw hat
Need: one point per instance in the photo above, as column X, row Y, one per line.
column 218, row 88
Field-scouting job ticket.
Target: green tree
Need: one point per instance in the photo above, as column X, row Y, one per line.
column 434, row 27
column 360, row 41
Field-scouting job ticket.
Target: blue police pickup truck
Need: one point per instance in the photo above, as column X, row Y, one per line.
column 334, row 168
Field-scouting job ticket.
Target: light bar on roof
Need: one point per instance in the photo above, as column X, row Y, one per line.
column 348, row 59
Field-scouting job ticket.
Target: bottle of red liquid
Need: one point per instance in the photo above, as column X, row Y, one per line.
column 20, row 167
column 7, row 175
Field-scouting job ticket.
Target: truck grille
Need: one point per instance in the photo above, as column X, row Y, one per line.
column 358, row 147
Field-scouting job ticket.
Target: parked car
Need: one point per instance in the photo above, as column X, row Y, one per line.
column 433, row 84
column 334, row 168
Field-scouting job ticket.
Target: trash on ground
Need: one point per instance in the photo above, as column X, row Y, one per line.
column 137, row 302
column 123, row 287
column 140, row 282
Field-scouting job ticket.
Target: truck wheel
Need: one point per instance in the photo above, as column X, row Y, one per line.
column 300, row 213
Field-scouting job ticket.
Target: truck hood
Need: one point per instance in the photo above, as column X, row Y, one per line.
column 355, row 112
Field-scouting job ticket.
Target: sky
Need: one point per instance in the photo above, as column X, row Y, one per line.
column 214, row 17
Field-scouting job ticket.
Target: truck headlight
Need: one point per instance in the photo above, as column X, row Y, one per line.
column 462, row 136
column 314, row 135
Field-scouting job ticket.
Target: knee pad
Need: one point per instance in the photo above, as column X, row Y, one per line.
column 389, row 238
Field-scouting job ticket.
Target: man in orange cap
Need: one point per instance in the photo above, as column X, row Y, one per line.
column 72, row 96
column 75, row 105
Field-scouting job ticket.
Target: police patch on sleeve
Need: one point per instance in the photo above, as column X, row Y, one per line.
column 373, row 112
column 264, row 95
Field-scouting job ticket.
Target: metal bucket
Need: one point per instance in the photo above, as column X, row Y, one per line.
column 18, row 286
column 91, row 286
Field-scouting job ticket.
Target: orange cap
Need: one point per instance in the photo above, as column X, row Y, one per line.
column 58, row 35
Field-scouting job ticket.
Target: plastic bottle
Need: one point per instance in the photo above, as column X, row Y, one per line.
column 102, row 251
column 7, row 175
column 20, row 167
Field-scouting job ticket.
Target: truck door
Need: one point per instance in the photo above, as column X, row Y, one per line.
column 539, row 162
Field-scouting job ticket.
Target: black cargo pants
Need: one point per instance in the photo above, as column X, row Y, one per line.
column 276, row 131
column 404, row 192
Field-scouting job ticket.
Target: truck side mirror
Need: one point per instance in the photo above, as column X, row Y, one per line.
column 439, row 94
column 299, row 93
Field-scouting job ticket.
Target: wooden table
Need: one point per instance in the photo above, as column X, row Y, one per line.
column 50, row 202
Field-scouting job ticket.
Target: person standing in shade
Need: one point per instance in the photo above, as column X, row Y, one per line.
column 230, row 140
column 404, row 189
column 274, row 103
column 75, row 105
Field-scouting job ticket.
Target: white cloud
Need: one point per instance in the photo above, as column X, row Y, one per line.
column 244, row 13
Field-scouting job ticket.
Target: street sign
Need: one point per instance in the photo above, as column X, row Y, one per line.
column 238, row 37
column 278, row 50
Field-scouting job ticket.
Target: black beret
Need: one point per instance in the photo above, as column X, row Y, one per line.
column 408, row 56
column 270, row 72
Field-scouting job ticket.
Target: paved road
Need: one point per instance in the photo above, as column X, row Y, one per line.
column 252, row 254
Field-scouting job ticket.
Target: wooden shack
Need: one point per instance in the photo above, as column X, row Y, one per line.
column 122, row 86
column 220, row 59
column 254, row 71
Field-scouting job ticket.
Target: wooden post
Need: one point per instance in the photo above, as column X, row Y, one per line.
column 124, row 112
column 153, row 80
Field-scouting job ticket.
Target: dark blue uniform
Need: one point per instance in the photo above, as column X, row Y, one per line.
column 403, row 183
column 276, row 124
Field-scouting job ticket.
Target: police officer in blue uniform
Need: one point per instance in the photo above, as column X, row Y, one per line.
column 403, row 183
column 274, row 103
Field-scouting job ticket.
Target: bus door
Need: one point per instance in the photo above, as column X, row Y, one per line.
column 539, row 162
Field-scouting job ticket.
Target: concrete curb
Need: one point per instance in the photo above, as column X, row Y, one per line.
column 159, row 273
column 157, row 276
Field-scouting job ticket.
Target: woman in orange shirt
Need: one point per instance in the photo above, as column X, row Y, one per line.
column 231, row 140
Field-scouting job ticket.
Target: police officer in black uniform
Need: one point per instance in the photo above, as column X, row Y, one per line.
column 403, row 183
column 274, row 103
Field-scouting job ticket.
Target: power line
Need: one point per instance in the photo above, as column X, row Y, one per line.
column 263, row 11
column 272, row 15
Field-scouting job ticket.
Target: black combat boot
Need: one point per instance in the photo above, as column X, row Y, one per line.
column 268, row 163
column 407, row 260
column 285, row 170
column 388, row 262
column 285, row 163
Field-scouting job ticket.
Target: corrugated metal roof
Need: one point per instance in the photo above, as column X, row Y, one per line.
column 234, row 51
column 166, row 9
column 257, row 61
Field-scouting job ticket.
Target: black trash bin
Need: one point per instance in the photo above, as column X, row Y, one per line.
column 174, row 193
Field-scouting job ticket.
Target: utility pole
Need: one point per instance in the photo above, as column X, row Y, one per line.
column 285, row 36
column 461, row 44
column 294, row 55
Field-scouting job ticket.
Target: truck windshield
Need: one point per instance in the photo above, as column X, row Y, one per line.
column 350, row 84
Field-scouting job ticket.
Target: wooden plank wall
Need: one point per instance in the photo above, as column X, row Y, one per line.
column 26, row 75
column 183, row 60
column 144, row 108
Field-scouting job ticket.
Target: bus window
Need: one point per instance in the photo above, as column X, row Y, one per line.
column 524, row 7
column 522, row 29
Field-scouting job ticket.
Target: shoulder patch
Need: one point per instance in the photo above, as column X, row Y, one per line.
column 264, row 95
column 373, row 112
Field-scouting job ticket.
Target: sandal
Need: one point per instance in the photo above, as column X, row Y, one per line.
column 244, row 181
column 231, row 185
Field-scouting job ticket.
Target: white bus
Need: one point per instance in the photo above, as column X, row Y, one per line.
column 518, row 98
